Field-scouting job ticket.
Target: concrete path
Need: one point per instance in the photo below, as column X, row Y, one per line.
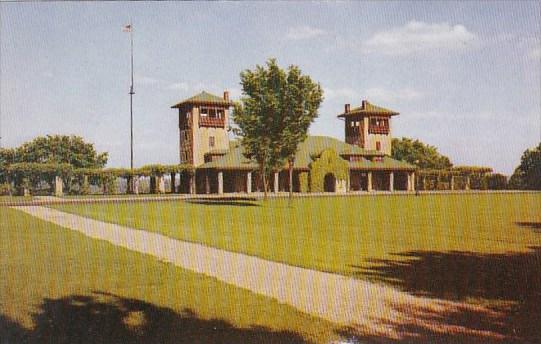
column 364, row 306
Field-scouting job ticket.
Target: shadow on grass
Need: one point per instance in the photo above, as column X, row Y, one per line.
column 508, row 283
column 105, row 318
column 536, row 226
column 234, row 201
column 424, row 325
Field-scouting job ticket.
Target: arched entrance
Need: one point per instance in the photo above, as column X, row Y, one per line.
column 330, row 183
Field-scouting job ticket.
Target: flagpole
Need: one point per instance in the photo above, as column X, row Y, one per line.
column 131, row 99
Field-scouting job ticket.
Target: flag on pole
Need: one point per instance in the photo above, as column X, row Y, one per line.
column 127, row 28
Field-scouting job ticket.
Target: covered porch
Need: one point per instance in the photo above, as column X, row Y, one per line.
column 378, row 180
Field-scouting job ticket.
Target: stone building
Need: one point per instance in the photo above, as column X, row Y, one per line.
column 322, row 164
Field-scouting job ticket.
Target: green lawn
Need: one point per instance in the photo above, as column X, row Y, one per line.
column 340, row 234
column 15, row 198
column 58, row 286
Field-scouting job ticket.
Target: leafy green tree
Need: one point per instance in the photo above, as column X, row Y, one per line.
column 60, row 149
column 528, row 174
column 274, row 114
column 418, row 153
column 497, row 181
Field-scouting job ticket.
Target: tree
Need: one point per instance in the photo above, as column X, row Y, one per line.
column 274, row 114
column 496, row 181
column 528, row 174
column 418, row 153
column 58, row 149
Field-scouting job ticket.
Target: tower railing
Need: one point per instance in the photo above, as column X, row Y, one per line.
column 211, row 122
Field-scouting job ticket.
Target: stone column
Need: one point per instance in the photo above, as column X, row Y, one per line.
column 161, row 184
column 249, row 182
column 408, row 188
column 452, row 182
column 136, row 185
column 58, row 187
column 369, row 182
column 413, row 181
column 207, row 183
column 467, row 182
column 220, row 182
column 276, row 182
column 391, row 181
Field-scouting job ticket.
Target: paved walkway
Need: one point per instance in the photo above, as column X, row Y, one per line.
column 368, row 307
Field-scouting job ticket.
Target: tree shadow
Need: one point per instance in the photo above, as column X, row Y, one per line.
column 536, row 226
column 106, row 318
column 221, row 203
column 418, row 324
column 234, row 201
column 507, row 283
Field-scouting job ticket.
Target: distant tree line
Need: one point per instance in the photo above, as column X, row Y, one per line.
column 527, row 175
column 438, row 173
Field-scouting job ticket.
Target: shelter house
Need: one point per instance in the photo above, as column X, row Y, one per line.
column 322, row 164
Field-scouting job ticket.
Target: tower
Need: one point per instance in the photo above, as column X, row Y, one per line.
column 368, row 126
column 202, row 122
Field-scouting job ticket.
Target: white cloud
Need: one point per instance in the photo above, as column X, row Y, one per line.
column 388, row 96
column 303, row 32
column 179, row 86
column 418, row 36
column 343, row 94
column 535, row 53
column 375, row 94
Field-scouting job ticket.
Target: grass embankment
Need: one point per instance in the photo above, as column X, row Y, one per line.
column 346, row 235
column 60, row 286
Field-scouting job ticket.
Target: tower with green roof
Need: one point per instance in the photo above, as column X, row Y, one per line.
column 203, row 121
column 368, row 126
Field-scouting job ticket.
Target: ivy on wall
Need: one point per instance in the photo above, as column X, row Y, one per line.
column 328, row 162
column 303, row 182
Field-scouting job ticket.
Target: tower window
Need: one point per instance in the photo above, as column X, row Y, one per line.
column 212, row 141
column 378, row 146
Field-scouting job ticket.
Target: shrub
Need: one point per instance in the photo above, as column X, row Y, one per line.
column 497, row 181
column 5, row 189
column 303, row 181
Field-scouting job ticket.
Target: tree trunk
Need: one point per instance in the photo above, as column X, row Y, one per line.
column 265, row 182
column 291, row 162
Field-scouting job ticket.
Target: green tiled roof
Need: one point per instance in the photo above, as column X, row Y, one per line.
column 314, row 145
column 203, row 98
column 367, row 108
column 387, row 163
column 233, row 160
column 309, row 150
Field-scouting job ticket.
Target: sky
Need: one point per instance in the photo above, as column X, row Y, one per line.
column 465, row 76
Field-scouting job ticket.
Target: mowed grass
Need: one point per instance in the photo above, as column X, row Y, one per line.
column 57, row 286
column 346, row 235
column 4, row 199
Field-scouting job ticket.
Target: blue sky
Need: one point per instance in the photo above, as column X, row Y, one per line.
column 465, row 76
